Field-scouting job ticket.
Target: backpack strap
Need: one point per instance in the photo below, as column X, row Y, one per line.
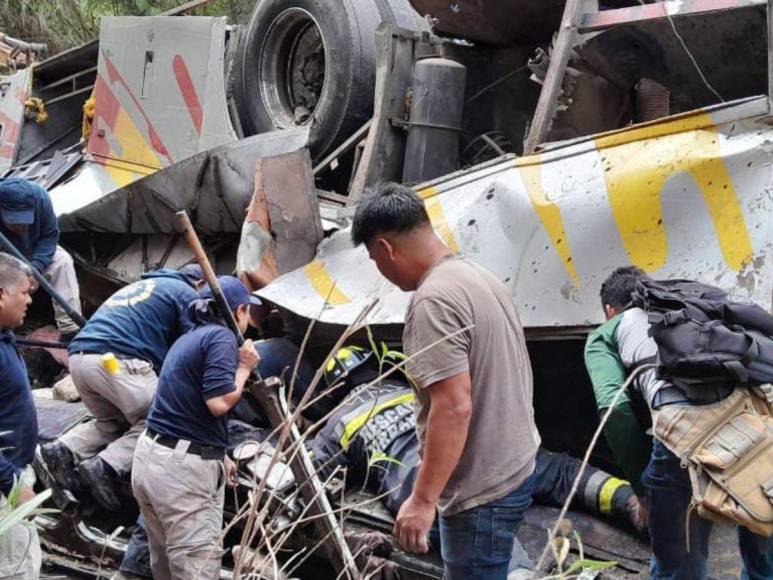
column 739, row 368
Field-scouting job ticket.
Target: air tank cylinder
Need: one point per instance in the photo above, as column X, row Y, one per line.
column 432, row 147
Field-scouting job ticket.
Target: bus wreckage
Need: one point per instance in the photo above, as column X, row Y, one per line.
column 643, row 145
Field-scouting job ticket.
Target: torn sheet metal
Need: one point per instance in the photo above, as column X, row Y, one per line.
column 689, row 196
column 283, row 225
column 14, row 90
column 214, row 187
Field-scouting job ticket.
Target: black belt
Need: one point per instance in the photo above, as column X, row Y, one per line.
column 203, row 451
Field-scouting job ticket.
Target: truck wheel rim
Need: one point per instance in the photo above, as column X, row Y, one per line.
column 292, row 68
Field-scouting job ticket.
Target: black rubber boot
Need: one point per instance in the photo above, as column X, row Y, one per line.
column 101, row 480
column 61, row 463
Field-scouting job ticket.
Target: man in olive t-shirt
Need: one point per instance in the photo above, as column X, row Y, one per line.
column 474, row 389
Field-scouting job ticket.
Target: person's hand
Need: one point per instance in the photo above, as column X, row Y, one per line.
column 230, row 472
column 413, row 523
column 248, row 356
column 26, row 494
column 638, row 513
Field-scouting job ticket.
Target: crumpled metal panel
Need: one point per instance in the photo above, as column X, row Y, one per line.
column 689, row 196
column 283, row 225
column 14, row 90
column 214, row 186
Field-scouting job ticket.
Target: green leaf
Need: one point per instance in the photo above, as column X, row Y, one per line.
column 579, row 565
column 21, row 513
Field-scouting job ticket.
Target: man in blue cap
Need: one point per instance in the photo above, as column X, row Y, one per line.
column 27, row 219
column 114, row 361
column 179, row 463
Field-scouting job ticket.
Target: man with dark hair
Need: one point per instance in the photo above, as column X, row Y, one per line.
column 28, row 220
column 473, row 387
column 114, row 361
column 18, row 421
column 680, row 539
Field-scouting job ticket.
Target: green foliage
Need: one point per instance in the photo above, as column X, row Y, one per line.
column 12, row 514
column 67, row 23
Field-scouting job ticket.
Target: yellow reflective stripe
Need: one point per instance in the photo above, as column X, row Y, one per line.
column 549, row 214
column 636, row 173
column 438, row 217
column 607, row 492
column 353, row 426
column 321, row 281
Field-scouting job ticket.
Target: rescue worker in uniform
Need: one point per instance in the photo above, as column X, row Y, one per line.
column 27, row 219
column 180, row 466
column 19, row 547
column 680, row 539
column 372, row 435
column 114, row 361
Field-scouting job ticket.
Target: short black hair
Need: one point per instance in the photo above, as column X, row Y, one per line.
column 387, row 208
column 617, row 289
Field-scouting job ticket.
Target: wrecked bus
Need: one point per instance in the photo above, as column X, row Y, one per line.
column 655, row 152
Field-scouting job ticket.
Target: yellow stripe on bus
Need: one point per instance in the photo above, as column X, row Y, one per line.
column 549, row 214
column 438, row 217
column 325, row 286
column 636, row 173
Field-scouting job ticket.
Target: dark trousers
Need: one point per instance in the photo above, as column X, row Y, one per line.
column 669, row 494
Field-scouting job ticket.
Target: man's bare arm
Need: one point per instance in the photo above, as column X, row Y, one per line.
column 447, row 427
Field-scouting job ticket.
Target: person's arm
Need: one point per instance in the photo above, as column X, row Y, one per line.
column 45, row 246
column 217, row 403
column 443, row 372
column 8, row 474
column 629, row 442
column 447, row 425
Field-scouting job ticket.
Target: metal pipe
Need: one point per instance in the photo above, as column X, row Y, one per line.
column 22, row 45
column 45, row 284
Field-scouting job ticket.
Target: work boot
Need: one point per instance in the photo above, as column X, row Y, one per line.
column 101, row 480
column 61, row 464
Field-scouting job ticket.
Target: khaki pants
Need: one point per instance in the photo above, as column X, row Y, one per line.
column 181, row 498
column 118, row 401
column 20, row 555
column 61, row 274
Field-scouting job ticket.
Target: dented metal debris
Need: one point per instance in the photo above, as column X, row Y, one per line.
column 682, row 197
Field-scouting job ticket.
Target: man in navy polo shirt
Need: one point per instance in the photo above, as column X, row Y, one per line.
column 18, row 419
column 28, row 220
column 179, row 463
column 114, row 362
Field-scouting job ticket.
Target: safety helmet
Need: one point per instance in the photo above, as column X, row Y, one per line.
column 346, row 360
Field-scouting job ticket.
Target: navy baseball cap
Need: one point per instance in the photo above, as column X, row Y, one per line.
column 236, row 293
column 17, row 201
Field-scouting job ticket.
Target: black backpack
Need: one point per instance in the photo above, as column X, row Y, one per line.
column 707, row 342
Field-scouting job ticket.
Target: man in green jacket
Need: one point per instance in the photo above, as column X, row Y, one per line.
column 613, row 350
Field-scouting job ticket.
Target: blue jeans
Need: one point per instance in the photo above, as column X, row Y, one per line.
column 477, row 544
column 669, row 494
